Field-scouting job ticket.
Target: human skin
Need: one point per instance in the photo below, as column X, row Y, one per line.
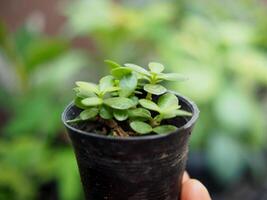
column 192, row 189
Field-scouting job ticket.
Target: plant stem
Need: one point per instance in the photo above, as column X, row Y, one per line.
column 149, row 96
column 116, row 129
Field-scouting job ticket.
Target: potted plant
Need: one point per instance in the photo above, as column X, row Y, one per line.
column 130, row 134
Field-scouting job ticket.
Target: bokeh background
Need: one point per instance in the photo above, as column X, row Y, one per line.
column 46, row 45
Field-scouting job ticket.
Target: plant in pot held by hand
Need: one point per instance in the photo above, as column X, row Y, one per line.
column 130, row 134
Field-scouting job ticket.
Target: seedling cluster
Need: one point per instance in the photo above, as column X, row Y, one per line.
column 130, row 95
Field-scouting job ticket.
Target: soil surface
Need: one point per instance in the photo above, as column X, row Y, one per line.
column 116, row 128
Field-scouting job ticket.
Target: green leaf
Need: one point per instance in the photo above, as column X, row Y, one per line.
column 120, row 72
column 139, row 112
column 91, row 87
column 88, row 113
column 164, row 129
column 134, row 99
column 112, row 89
column 155, row 67
column 155, row 89
column 111, row 64
column 83, row 93
column 78, row 103
column 92, row 101
column 168, row 102
column 120, row 115
column 137, row 69
column 182, row 113
column 127, row 85
column 149, row 104
column 105, row 113
column 141, row 127
column 106, row 83
column 172, row 77
column 119, row 103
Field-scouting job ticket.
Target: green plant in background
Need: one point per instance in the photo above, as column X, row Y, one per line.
column 116, row 98
column 33, row 70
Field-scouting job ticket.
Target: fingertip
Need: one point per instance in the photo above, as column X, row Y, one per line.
column 193, row 189
column 185, row 177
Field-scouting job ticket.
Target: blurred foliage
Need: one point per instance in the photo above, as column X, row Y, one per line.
column 220, row 45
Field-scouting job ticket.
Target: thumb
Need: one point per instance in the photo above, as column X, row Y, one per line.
column 194, row 190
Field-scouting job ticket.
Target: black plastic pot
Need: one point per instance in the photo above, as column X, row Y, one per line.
column 133, row 168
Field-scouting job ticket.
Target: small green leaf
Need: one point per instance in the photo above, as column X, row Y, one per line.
column 134, row 99
column 182, row 113
column 155, row 89
column 120, row 103
column 111, row 64
column 120, row 115
column 78, row 103
column 120, row 72
column 168, row 115
column 172, row 77
column 92, row 101
column 88, row 113
column 112, row 89
column 141, row 127
column 105, row 113
column 137, row 69
column 127, row 85
column 164, row 129
column 83, row 93
column 168, row 102
column 88, row 86
column 139, row 113
column 149, row 104
column 106, row 83
column 155, row 67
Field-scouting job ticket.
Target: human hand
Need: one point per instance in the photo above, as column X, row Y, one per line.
column 193, row 190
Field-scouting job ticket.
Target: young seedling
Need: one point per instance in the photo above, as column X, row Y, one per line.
column 118, row 100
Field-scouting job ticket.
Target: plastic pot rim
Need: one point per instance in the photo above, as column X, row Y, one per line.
column 188, row 124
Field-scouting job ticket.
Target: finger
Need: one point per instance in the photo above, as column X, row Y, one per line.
column 185, row 177
column 194, row 190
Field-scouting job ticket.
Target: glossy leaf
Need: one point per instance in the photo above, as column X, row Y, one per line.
column 87, row 86
column 127, row 85
column 155, row 89
column 182, row 113
column 83, row 92
column 88, row 113
column 119, row 103
column 120, row 115
column 155, row 67
column 141, row 127
column 137, row 69
column 92, row 101
column 167, row 102
column 120, row 72
column 106, row 83
column 105, row 112
column 164, row 129
column 78, row 103
column 149, row 104
column 172, row 77
column 139, row 113
column 112, row 64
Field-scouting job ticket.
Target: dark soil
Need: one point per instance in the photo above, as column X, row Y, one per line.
column 116, row 128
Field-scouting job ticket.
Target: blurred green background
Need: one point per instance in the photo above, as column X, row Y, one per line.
column 46, row 45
